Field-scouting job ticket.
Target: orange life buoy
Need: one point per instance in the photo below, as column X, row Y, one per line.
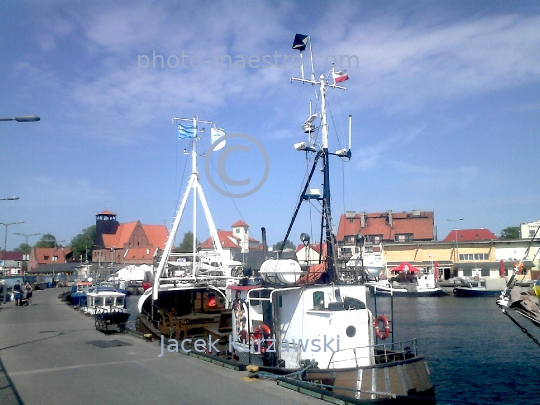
column 380, row 334
column 260, row 332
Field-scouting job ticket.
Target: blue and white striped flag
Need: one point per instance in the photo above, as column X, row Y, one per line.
column 186, row 131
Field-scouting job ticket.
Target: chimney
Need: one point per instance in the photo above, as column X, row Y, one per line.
column 390, row 218
column 362, row 219
column 264, row 245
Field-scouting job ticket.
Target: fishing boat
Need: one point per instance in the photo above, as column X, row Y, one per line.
column 409, row 281
column 77, row 296
column 315, row 325
column 476, row 288
column 189, row 290
column 108, row 307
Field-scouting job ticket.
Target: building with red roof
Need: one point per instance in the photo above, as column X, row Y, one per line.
column 382, row 227
column 234, row 241
column 127, row 243
column 470, row 235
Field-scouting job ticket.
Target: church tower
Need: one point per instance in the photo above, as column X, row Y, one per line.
column 106, row 224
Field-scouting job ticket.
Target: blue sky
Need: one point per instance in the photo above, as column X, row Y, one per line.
column 445, row 104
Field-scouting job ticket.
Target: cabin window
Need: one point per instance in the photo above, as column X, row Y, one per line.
column 108, row 301
column 99, row 301
column 318, row 300
column 120, row 301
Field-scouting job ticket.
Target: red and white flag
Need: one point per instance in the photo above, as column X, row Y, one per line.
column 340, row 76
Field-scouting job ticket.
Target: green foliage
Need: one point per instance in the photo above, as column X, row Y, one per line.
column 187, row 244
column 288, row 245
column 47, row 241
column 511, row 232
column 25, row 248
column 83, row 244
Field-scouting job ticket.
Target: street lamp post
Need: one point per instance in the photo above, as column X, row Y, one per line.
column 5, row 253
column 26, row 235
column 455, row 236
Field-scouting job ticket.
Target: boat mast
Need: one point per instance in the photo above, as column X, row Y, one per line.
column 194, row 185
column 300, row 43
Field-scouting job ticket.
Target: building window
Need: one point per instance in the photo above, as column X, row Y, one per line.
column 532, row 232
column 368, row 249
column 467, row 272
column 55, row 258
column 237, row 230
column 374, row 238
column 485, row 272
column 346, row 251
column 473, row 256
column 404, row 237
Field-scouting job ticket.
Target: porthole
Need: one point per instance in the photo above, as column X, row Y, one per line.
column 351, row 331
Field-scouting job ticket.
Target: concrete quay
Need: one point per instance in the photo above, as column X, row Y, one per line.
column 52, row 354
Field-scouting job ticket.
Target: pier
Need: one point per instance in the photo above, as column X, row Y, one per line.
column 52, row 354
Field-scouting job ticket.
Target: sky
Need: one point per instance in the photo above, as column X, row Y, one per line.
column 444, row 99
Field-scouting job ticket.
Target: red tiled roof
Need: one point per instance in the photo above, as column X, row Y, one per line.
column 45, row 255
column 226, row 238
column 239, row 223
column 121, row 237
column 106, row 212
column 139, row 253
column 156, row 234
column 470, row 235
column 421, row 226
column 314, row 246
column 11, row 255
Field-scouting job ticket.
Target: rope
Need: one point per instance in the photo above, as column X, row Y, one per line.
column 504, row 311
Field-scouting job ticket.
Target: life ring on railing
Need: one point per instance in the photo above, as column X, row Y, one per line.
column 262, row 331
column 376, row 322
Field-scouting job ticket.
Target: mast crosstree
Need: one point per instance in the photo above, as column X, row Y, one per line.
column 300, row 43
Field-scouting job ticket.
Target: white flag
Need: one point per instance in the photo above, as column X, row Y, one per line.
column 216, row 134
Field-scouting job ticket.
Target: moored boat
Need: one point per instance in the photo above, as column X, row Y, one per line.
column 478, row 289
column 409, row 281
column 316, row 325
column 189, row 289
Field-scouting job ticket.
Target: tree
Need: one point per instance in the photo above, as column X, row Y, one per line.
column 510, row 232
column 25, row 248
column 187, row 244
column 288, row 245
column 47, row 241
column 83, row 244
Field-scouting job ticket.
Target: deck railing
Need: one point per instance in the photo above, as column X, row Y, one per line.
column 378, row 354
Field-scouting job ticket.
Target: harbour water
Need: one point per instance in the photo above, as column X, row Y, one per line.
column 475, row 353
